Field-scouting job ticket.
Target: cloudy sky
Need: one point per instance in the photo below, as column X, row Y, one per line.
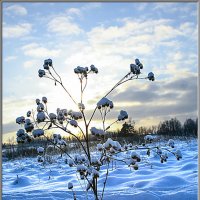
column 110, row 36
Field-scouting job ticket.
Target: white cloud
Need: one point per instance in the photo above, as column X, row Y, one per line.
column 16, row 9
column 63, row 26
column 92, row 5
column 10, row 58
column 37, row 51
column 73, row 11
column 16, row 31
column 31, row 63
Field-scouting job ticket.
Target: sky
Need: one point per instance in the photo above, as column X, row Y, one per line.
column 110, row 36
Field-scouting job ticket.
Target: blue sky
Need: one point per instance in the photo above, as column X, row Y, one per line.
column 110, row 36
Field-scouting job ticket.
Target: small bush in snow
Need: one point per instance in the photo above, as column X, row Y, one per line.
column 87, row 166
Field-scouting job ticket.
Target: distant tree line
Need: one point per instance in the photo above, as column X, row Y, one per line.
column 172, row 127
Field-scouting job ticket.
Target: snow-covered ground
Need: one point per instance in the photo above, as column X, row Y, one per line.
column 172, row 180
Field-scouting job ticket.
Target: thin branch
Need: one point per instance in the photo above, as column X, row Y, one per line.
column 104, row 184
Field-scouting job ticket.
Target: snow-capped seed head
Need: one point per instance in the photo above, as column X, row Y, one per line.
column 104, row 102
column 20, row 120
column 64, row 111
column 37, row 101
column 112, row 150
column 81, row 106
column 93, row 69
column 73, row 123
column 81, row 168
column 40, row 150
column 20, row 132
column 108, row 144
column 132, row 161
column 44, row 99
column 70, row 162
column 40, row 107
column 52, row 116
column 21, row 139
column 99, row 147
column 135, row 69
column 48, row 62
column 28, row 138
column 60, row 116
column 178, row 154
column 97, row 132
column 28, row 114
column 37, row 133
column 46, row 67
column 95, row 161
column 41, row 117
column 40, row 159
column 41, row 73
column 137, row 61
column 76, row 115
column 62, row 142
column 135, row 166
column 171, row 143
column 151, row 76
column 163, row 158
column 70, row 185
column 135, row 156
column 28, row 126
column 159, row 151
column 81, row 70
column 95, row 173
column 149, row 138
column 123, row 115
column 59, row 136
column 116, row 145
